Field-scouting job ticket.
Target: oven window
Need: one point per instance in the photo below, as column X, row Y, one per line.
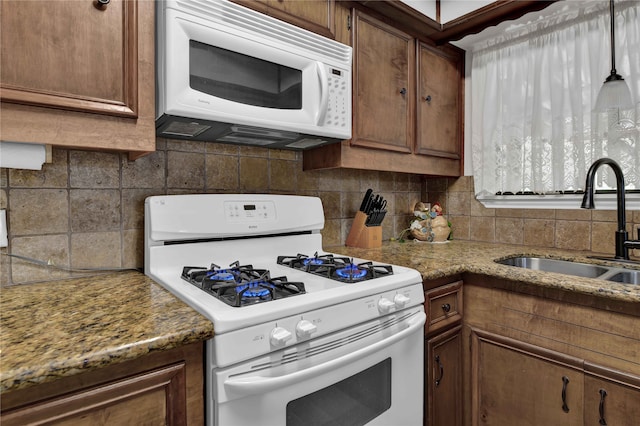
column 244, row 79
column 354, row 401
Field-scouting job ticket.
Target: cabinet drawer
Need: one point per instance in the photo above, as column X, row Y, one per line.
column 443, row 306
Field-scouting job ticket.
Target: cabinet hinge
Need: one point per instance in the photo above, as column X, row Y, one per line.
column 348, row 22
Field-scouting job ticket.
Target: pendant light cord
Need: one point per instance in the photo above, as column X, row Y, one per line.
column 613, row 41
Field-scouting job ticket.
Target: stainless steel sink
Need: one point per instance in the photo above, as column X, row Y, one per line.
column 627, row 277
column 558, row 266
column 567, row 267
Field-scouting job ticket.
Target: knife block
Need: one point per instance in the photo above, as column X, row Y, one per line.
column 362, row 236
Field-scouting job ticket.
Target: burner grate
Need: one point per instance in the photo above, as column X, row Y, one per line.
column 335, row 267
column 241, row 285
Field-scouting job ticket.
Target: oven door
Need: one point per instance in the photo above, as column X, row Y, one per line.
column 370, row 374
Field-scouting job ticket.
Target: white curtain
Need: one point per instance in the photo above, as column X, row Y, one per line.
column 533, row 88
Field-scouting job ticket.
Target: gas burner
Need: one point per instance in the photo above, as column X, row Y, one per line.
column 335, row 267
column 241, row 285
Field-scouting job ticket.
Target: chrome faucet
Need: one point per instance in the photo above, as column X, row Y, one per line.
column 622, row 237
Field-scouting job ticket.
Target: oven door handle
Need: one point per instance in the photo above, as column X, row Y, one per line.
column 259, row 384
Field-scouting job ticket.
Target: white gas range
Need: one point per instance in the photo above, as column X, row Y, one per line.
column 294, row 325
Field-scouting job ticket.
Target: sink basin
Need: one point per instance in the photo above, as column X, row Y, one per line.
column 559, row 266
column 626, row 277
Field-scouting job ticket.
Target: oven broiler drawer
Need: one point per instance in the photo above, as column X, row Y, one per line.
column 443, row 306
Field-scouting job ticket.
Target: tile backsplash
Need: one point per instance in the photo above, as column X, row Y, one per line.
column 85, row 210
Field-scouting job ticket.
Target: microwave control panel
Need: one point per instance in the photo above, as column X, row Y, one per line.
column 339, row 105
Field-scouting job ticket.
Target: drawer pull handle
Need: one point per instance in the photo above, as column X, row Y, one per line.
column 101, row 4
column 403, row 91
column 565, row 382
column 603, row 394
column 446, row 307
column 427, row 99
column 439, row 379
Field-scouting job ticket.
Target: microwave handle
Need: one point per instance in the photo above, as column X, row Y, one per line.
column 260, row 384
column 324, row 92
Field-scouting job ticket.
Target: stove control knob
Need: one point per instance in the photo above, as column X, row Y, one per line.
column 305, row 329
column 280, row 336
column 401, row 301
column 385, row 305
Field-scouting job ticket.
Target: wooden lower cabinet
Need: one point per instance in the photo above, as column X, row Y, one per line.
column 443, row 382
column 160, row 389
column 517, row 384
column 538, row 361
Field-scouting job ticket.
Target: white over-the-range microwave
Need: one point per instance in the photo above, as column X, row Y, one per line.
column 229, row 74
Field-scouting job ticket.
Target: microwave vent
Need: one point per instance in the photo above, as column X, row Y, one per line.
column 250, row 21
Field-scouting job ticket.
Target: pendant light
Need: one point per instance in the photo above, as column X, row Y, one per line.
column 615, row 93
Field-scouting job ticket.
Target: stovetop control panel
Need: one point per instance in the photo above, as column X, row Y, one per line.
column 249, row 212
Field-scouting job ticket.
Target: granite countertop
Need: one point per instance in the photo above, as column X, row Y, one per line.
column 435, row 261
column 61, row 328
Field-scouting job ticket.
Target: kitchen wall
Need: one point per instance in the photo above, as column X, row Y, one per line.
column 85, row 209
column 590, row 230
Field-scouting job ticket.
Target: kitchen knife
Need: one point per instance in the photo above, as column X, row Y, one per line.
column 365, row 200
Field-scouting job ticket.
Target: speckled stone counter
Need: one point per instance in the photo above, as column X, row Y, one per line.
column 60, row 328
column 435, row 261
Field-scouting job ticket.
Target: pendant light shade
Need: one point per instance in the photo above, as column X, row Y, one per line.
column 615, row 93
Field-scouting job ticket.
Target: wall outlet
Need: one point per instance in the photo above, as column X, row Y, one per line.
column 3, row 228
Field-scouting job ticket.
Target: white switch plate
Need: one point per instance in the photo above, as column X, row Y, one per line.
column 3, row 228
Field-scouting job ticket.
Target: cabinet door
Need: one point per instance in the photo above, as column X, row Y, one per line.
column 518, row 384
column 71, row 55
column 443, row 384
column 611, row 402
column 75, row 75
column 383, row 98
column 439, row 104
column 156, row 397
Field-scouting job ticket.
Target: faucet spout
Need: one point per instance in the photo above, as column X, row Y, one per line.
column 622, row 251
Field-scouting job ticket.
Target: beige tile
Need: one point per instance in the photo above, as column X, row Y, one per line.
column 478, row 209
column 509, row 213
column 221, row 148
column 38, row 211
column 509, row 230
column 369, row 179
column 133, row 248
column 332, row 204
column 307, row 180
column 283, row 175
column 4, row 179
column 332, row 232
column 145, row 172
column 402, row 182
column 482, row 228
column 285, row 154
column 254, row 174
column 331, row 180
column 133, row 207
column 95, row 210
column 603, row 238
column 417, row 184
column 459, row 203
column 539, row 232
column 88, row 169
column 96, row 250
column 185, row 170
column 636, row 216
column 52, row 175
column 604, row 216
column 47, row 248
column 460, row 227
column 461, row 184
column 254, row 151
column 222, row 173
column 573, row 235
column 402, row 203
column 3, row 198
column 438, row 197
column 5, row 268
column 185, row 145
column 575, row 214
column 387, row 181
column 548, row 214
column 436, row 184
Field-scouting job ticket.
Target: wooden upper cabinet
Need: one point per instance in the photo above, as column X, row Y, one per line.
column 313, row 15
column 84, row 78
column 81, row 57
column 439, row 105
column 383, row 85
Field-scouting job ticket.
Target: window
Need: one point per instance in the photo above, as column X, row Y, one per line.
column 533, row 87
